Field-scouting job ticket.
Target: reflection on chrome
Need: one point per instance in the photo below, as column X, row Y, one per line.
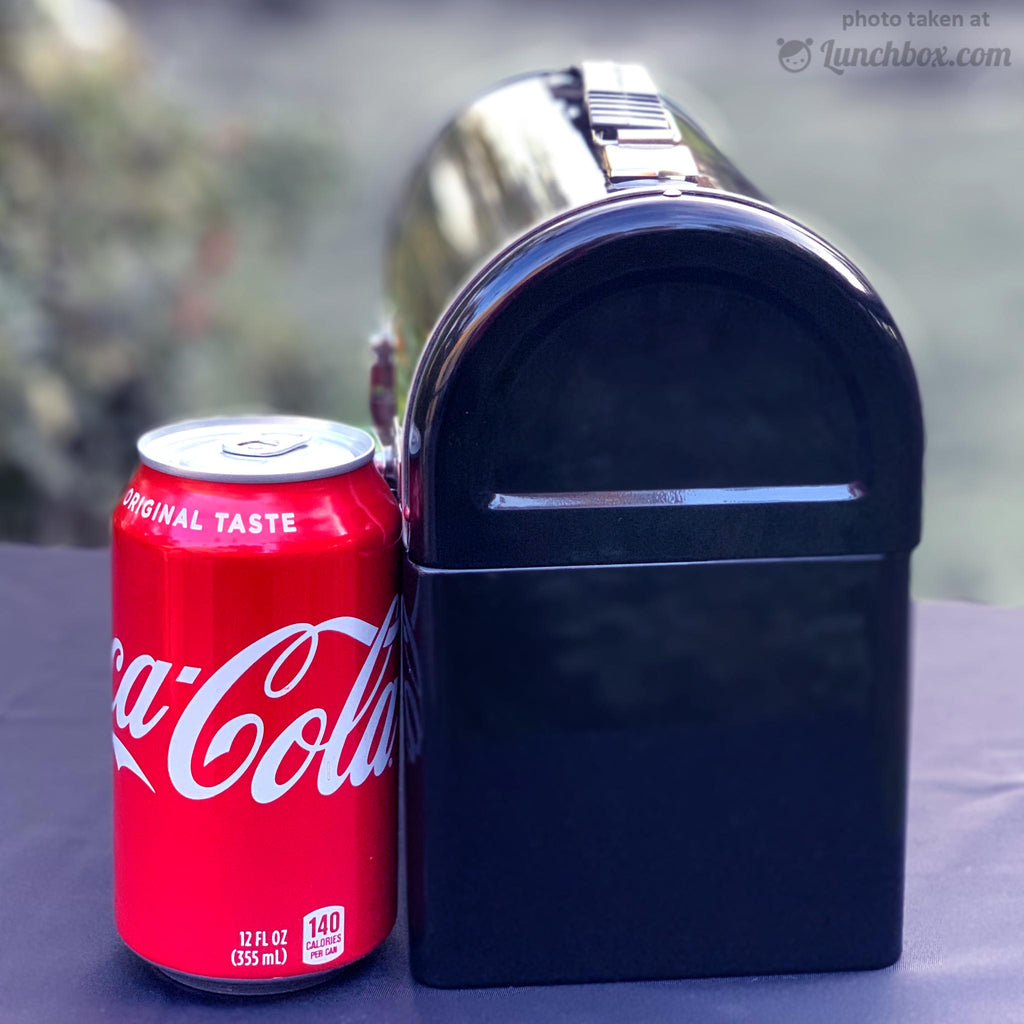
column 799, row 494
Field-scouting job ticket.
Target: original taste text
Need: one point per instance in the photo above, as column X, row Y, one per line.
column 196, row 519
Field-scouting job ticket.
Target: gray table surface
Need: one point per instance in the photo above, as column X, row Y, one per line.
column 61, row 959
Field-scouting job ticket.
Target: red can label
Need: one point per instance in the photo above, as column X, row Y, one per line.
column 255, row 712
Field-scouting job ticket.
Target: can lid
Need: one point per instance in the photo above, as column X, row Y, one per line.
column 256, row 449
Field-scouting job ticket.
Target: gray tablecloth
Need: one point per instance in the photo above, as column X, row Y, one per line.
column 61, row 960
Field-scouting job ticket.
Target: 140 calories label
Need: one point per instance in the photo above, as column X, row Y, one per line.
column 323, row 935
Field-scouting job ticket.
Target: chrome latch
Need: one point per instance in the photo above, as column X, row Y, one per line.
column 635, row 135
column 384, row 405
column 383, row 396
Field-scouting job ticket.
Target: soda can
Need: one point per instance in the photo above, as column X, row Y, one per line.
column 255, row 702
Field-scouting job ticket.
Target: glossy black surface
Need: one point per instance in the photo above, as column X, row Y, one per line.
column 663, row 343
column 662, row 477
column 655, row 771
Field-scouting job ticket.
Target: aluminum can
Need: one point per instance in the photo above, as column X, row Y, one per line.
column 255, row 702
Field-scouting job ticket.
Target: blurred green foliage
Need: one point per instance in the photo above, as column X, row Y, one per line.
column 139, row 258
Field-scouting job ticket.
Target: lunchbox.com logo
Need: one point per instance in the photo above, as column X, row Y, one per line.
column 797, row 55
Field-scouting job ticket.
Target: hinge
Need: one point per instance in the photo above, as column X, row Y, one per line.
column 635, row 135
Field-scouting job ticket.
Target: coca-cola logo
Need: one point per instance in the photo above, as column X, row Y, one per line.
column 369, row 712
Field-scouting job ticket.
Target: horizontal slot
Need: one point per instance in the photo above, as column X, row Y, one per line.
column 798, row 494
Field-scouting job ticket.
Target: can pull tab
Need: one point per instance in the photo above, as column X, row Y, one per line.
column 262, row 446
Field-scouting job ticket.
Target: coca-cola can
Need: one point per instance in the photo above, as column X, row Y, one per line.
column 255, row 702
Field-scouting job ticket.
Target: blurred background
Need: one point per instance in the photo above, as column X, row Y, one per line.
column 194, row 199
